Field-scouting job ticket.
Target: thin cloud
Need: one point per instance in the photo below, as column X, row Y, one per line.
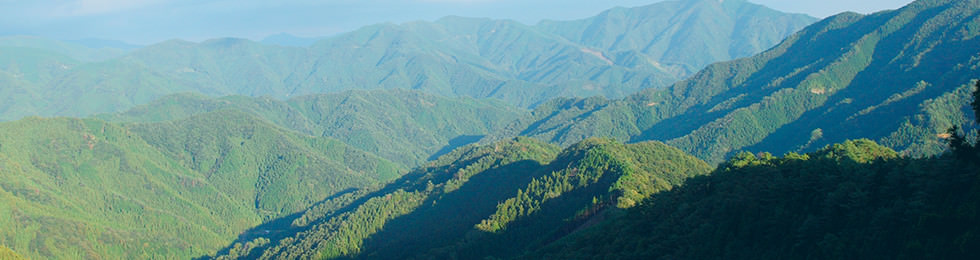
column 99, row 7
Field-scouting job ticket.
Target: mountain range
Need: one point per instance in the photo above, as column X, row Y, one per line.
column 523, row 65
column 425, row 147
column 900, row 77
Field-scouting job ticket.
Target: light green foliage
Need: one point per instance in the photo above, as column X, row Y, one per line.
column 240, row 250
column 84, row 188
column 253, row 161
column 88, row 189
column 6, row 253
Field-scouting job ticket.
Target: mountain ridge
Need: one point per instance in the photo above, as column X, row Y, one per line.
column 524, row 65
column 827, row 80
column 503, row 187
column 405, row 126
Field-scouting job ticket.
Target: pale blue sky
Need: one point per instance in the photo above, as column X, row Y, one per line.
column 150, row 21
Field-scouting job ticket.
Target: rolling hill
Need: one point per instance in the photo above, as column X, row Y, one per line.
column 404, row 126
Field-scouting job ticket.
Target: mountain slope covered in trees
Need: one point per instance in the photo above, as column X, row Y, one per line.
column 324, row 176
column 486, row 200
column 86, row 188
column 851, row 200
column 482, row 58
column 899, row 77
column 408, row 127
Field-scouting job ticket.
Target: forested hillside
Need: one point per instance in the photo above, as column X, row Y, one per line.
column 404, row 126
column 412, row 141
column 85, row 188
column 851, row 200
column 899, row 77
column 520, row 64
column 489, row 200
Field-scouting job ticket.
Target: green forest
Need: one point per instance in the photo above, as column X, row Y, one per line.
column 856, row 199
column 603, row 199
column 649, row 132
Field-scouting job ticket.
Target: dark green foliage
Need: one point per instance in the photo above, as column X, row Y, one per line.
column 856, row 199
column 492, row 200
column 976, row 101
column 851, row 200
column 902, row 72
column 958, row 142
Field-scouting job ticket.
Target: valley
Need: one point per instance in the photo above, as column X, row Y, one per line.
column 684, row 129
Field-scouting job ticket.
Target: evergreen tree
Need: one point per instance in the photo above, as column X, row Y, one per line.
column 976, row 102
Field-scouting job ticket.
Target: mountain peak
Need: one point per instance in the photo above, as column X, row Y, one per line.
column 711, row 30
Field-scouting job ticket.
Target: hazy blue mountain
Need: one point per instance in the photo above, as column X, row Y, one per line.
column 900, row 77
column 527, row 65
column 684, row 36
column 83, row 50
column 104, row 43
column 454, row 56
